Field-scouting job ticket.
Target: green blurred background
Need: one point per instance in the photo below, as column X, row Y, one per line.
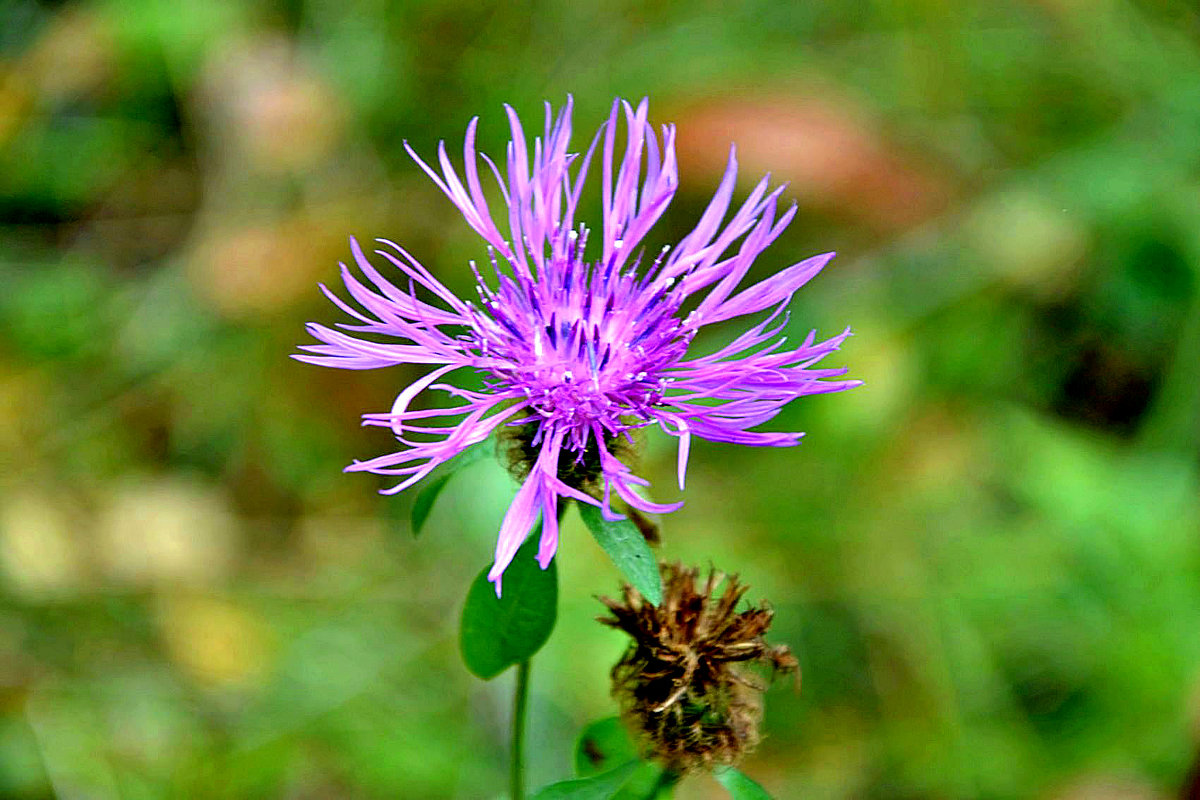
column 987, row 558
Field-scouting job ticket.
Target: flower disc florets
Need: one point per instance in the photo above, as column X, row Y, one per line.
column 581, row 344
column 588, row 346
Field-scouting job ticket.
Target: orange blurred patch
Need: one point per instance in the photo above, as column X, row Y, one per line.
column 75, row 55
column 253, row 269
column 267, row 108
column 834, row 159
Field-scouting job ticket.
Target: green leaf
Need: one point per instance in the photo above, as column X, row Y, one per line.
column 497, row 632
column 628, row 549
column 601, row 746
column 739, row 786
column 433, row 486
column 596, row 787
column 605, row 744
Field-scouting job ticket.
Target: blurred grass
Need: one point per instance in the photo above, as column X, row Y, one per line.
column 987, row 558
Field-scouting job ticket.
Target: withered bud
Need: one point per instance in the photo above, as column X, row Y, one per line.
column 691, row 682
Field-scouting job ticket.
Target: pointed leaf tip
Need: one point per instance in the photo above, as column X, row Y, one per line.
column 739, row 786
column 423, row 504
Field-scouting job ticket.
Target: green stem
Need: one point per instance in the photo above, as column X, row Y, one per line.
column 516, row 773
column 520, row 701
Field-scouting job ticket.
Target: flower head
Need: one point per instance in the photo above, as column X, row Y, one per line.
column 580, row 345
column 685, row 682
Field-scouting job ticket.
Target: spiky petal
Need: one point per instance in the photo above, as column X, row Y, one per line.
column 580, row 351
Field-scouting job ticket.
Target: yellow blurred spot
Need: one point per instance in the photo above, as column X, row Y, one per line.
column 213, row 641
column 888, row 370
column 341, row 540
column 1031, row 241
column 15, row 103
column 22, row 408
column 166, row 532
column 246, row 270
column 39, row 554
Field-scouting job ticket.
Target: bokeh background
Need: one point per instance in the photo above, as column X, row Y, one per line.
column 987, row 558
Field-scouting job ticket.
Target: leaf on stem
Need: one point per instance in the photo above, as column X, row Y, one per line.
column 596, row 787
column 604, row 745
column 497, row 632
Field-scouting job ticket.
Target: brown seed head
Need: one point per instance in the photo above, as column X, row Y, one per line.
column 688, row 683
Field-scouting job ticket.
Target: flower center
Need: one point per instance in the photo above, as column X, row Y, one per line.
column 586, row 345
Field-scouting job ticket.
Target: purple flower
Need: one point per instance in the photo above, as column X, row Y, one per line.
column 579, row 350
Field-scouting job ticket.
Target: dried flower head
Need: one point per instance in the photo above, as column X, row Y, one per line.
column 578, row 348
column 691, row 682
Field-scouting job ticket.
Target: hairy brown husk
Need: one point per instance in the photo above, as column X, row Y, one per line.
column 688, row 682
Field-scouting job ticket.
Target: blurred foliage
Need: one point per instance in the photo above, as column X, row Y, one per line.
column 987, row 558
